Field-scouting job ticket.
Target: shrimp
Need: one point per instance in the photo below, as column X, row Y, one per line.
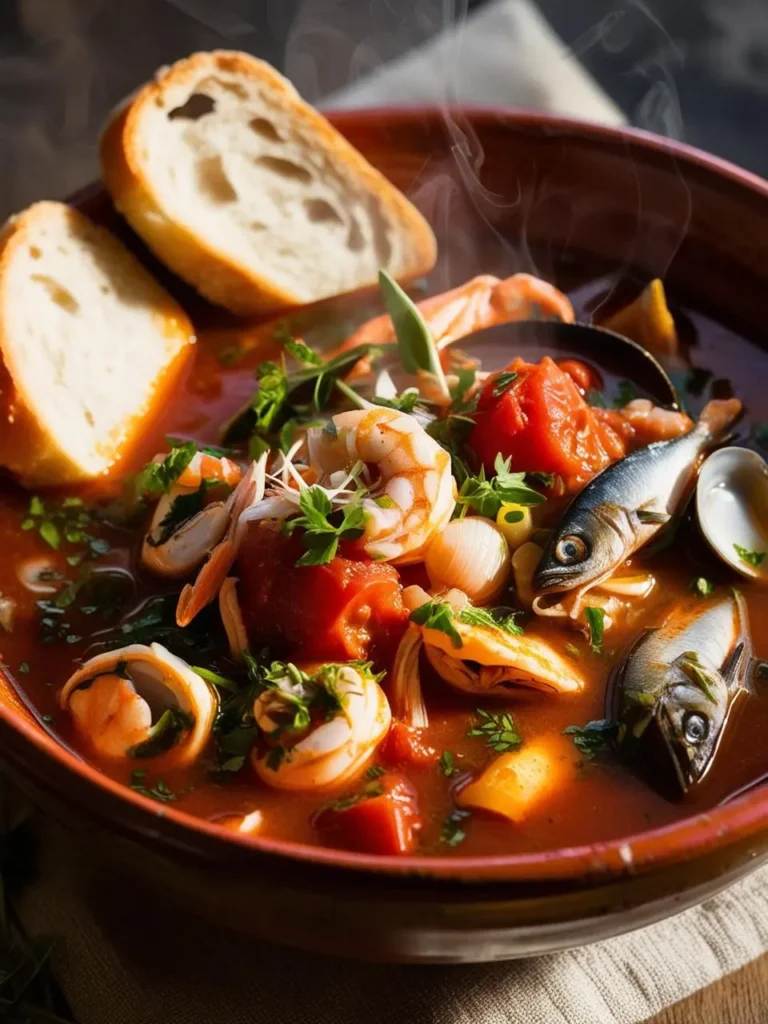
column 232, row 618
column 482, row 658
column 415, row 494
column 481, row 302
column 182, row 532
column 112, row 696
column 195, row 596
column 333, row 750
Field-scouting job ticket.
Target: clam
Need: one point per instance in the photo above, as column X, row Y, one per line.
column 141, row 702
column 732, row 508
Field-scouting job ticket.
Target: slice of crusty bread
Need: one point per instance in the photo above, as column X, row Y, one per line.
column 249, row 194
column 89, row 344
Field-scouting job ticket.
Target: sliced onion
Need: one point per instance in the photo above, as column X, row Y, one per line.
column 472, row 555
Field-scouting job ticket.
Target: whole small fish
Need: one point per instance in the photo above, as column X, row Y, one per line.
column 672, row 693
column 625, row 505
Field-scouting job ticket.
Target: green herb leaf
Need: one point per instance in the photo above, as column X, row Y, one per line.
column 160, row 791
column 302, row 352
column 415, row 344
column 164, row 734
column 754, row 558
column 487, row 496
column 447, row 764
column 503, row 381
column 491, row 619
column 596, row 399
column 498, row 729
column 321, row 537
column 406, row 401
column 375, row 772
column 627, row 392
column 159, row 477
column 701, row 586
column 437, row 615
column 593, row 736
column 452, row 832
column 596, row 623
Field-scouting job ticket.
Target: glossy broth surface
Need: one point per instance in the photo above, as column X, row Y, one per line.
column 599, row 800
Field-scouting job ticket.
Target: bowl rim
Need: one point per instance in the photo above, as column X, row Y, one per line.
column 688, row 839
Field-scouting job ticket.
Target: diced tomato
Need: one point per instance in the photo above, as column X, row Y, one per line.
column 331, row 612
column 542, row 422
column 405, row 745
column 387, row 822
column 582, row 374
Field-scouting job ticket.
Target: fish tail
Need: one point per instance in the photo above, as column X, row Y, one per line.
column 717, row 415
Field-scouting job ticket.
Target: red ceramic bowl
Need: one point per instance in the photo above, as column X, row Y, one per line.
column 505, row 192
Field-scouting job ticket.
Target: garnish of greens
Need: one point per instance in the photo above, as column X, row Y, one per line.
column 368, row 792
column 65, row 522
column 452, row 833
column 701, row 586
column 442, row 616
column 447, row 764
column 284, row 400
column 498, row 729
column 415, row 344
column 593, row 737
column 321, row 536
column 753, row 558
column 157, row 478
column 596, row 623
column 503, row 382
column 160, row 791
column 487, row 496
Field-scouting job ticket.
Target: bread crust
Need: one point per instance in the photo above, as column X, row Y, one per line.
column 27, row 448
column 214, row 272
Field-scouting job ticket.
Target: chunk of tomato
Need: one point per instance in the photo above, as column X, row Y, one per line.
column 405, row 745
column 543, row 423
column 385, row 823
column 332, row 612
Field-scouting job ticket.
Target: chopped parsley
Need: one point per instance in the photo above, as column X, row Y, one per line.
column 65, row 522
column 498, row 729
column 596, row 623
column 368, row 792
column 302, row 352
column 452, row 832
column 24, row 667
column 502, row 382
column 375, row 772
column 160, row 791
column 487, row 496
column 164, row 734
column 321, row 537
column 437, row 615
column 447, row 764
column 406, row 401
column 592, row 737
column 754, row 558
column 158, row 477
column 701, row 586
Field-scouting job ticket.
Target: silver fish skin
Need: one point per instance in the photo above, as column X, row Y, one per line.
column 673, row 691
column 627, row 503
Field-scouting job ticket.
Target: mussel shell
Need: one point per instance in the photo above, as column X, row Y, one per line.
column 612, row 353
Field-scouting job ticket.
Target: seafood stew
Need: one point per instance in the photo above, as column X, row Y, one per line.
column 388, row 599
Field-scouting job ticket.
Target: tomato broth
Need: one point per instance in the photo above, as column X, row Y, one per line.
column 599, row 798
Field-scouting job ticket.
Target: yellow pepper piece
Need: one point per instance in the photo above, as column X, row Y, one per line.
column 648, row 321
column 516, row 533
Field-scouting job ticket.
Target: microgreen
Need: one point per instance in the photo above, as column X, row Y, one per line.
column 486, row 496
column 160, row 791
column 437, row 615
column 754, row 558
column 447, row 764
column 498, row 729
column 592, row 737
column 321, row 537
column 64, row 523
column 701, row 586
column 596, row 623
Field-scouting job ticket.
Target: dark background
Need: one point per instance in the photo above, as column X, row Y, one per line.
column 693, row 69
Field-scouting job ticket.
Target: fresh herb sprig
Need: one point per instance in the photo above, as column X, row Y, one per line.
column 321, row 536
column 596, row 624
column 486, row 496
column 593, row 737
column 753, row 558
column 440, row 615
column 67, row 522
column 498, row 729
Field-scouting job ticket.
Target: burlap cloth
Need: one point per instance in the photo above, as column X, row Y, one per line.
column 174, row 969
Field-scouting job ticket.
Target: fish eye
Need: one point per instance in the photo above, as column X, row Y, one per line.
column 570, row 549
column 695, row 727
